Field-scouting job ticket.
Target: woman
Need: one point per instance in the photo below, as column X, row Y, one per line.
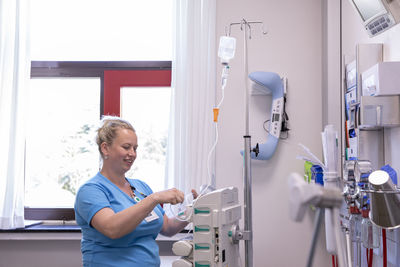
column 120, row 218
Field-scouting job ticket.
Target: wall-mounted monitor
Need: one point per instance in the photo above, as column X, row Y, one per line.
column 378, row 15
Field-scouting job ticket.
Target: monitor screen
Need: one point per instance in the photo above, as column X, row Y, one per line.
column 275, row 117
column 369, row 8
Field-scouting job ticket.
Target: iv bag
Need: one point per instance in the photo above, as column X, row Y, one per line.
column 227, row 47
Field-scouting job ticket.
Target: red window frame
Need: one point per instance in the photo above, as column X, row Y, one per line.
column 115, row 79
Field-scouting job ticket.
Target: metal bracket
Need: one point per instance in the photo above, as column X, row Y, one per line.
column 235, row 235
column 244, row 235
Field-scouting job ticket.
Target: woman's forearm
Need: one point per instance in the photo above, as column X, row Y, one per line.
column 116, row 225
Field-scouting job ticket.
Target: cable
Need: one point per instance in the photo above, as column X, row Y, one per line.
column 264, row 126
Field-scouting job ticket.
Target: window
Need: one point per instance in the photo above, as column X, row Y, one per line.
column 83, row 68
column 152, row 131
column 60, row 151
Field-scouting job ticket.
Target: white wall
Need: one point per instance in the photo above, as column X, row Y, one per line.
column 292, row 48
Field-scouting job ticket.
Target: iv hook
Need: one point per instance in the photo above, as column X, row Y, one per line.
column 246, row 23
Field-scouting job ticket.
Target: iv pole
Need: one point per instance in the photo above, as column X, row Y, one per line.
column 248, row 225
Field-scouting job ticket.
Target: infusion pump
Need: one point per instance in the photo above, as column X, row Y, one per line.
column 378, row 15
column 215, row 220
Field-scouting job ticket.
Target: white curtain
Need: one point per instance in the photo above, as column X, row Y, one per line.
column 14, row 78
column 191, row 133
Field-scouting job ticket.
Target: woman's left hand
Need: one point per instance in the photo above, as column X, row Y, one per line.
column 194, row 193
column 172, row 226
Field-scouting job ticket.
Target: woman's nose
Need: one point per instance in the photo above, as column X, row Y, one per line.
column 132, row 152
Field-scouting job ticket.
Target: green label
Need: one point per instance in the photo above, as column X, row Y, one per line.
column 196, row 246
column 197, row 211
column 199, row 229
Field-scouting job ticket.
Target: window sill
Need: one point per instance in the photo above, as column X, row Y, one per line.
column 47, row 230
column 61, row 231
column 40, row 235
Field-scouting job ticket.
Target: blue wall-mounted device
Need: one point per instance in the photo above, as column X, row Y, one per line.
column 272, row 83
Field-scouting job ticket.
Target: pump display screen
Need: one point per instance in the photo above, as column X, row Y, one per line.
column 275, row 117
column 369, row 8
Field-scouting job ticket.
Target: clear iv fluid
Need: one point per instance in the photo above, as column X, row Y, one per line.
column 355, row 227
column 227, row 47
column 370, row 233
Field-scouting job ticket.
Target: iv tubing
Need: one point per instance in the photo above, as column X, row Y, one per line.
column 370, row 255
column 223, row 85
column 384, row 248
column 209, row 159
column 334, row 261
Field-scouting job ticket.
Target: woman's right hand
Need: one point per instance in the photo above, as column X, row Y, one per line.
column 172, row 196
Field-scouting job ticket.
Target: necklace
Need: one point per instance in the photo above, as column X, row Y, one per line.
column 133, row 195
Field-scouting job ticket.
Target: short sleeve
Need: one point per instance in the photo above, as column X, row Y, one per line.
column 90, row 199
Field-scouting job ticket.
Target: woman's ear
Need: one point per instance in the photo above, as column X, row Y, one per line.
column 104, row 149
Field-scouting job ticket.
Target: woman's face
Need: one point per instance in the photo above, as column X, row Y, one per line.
column 122, row 152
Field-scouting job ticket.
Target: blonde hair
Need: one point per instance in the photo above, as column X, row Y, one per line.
column 107, row 131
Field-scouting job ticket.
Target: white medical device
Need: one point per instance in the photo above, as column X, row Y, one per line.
column 216, row 232
column 381, row 79
column 378, row 15
column 380, row 101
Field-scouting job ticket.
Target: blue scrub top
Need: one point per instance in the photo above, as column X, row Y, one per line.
column 136, row 249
